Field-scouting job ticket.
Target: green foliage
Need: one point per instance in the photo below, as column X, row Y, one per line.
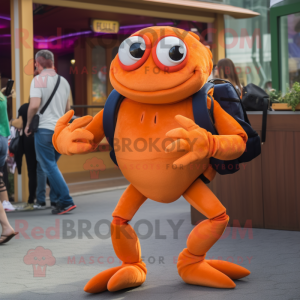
column 275, row 96
column 292, row 98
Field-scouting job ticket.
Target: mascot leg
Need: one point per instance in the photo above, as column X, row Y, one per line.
column 192, row 266
column 126, row 244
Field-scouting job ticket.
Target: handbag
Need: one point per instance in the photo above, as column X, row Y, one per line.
column 34, row 125
column 14, row 143
column 256, row 99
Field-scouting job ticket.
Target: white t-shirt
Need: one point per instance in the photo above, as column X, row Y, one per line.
column 42, row 87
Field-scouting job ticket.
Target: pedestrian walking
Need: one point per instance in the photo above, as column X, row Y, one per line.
column 48, row 87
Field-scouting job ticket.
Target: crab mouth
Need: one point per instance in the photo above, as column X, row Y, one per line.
column 171, row 95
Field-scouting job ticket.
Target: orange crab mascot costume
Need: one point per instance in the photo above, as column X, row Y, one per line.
column 157, row 70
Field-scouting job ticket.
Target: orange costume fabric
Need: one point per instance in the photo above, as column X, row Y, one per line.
column 158, row 107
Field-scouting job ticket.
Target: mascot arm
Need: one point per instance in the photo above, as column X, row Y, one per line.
column 81, row 136
column 198, row 143
column 231, row 141
column 96, row 128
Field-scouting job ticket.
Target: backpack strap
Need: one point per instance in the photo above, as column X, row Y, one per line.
column 51, row 96
column 110, row 114
column 204, row 117
column 264, row 120
column 211, row 111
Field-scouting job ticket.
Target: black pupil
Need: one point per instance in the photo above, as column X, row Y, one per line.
column 175, row 54
column 136, row 51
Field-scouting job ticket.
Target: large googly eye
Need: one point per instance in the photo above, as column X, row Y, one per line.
column 170, row 54
column 133, row 52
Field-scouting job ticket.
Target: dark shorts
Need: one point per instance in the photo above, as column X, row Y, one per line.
column 3, row 150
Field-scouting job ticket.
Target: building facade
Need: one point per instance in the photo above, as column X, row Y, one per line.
column 285, row 31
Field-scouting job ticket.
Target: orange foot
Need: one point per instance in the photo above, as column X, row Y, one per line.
column 232, row 270
column 118, row 278
column 197, row 271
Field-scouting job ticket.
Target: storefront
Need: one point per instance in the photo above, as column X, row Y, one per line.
column 249, row 43
column 285, row 31
column 83, row 52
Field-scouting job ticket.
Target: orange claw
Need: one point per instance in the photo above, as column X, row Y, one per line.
column 230, row 269
column 191, row 138
column 96, row 127
column 72, row 138
column 199, row 143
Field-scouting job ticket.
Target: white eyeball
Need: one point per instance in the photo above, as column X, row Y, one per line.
column 132, row 50
column 171, row 51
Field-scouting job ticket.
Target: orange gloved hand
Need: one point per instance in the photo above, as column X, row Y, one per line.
column 200, row 144
column 96, row 128
column 72, row 138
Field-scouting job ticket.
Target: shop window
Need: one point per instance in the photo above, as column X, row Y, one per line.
column 99, row 76
column 248, row 43
column 289, row 50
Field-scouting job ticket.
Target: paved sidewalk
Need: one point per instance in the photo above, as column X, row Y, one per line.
column 75, row 255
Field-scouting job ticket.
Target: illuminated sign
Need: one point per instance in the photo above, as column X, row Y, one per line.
column 105, row 26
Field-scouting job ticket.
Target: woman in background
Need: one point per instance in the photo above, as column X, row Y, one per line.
column 26, row 146
column 225, row 69
column 37, row 178
column 7, row 231
column 4, row 134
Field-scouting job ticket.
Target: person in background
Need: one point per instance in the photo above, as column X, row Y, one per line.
column 268, row 87
column 41, row 88
column 7, row 231
column 26, row 146
column 36, row 184
column 4, row 134
column 225, row 69
column 214, row 72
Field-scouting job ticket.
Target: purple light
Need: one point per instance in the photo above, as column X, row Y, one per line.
column 4, row 35
column 65, row 36
column 62, row 36
column 135, row 26
column 87, row 32
column 5, row 18
column 165, row 24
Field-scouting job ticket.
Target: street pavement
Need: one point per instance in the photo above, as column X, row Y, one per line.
column 55, row 256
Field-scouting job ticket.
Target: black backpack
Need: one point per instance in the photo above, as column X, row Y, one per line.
column 228, row 98
column 256, row 99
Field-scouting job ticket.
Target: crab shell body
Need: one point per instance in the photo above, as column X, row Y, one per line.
column 169, row 66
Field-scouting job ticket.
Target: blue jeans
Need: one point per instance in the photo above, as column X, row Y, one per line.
column 41, row 185
column 47, row 156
